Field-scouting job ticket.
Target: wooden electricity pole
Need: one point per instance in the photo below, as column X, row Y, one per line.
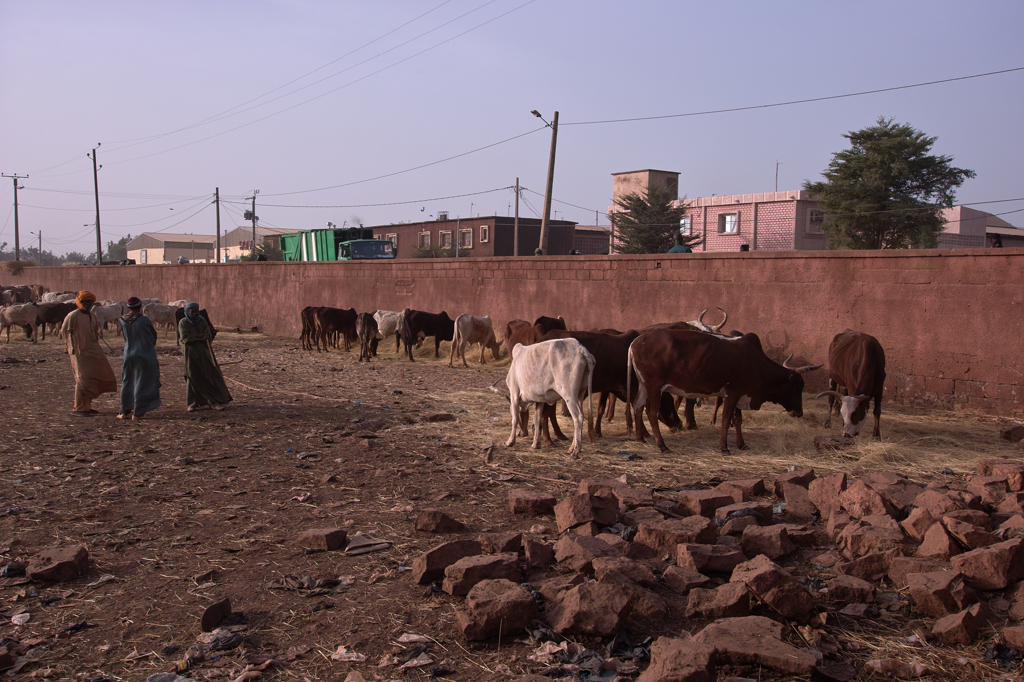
column 96, row 188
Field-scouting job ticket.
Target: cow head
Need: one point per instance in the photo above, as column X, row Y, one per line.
column 790, row 392
column 853, row 408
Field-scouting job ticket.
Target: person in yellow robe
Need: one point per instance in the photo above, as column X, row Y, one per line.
column 93, row 374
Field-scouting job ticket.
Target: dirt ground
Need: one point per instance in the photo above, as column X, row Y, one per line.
column 182, row 509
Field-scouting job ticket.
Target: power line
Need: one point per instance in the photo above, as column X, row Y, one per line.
column 392, row 203
column 797, row 101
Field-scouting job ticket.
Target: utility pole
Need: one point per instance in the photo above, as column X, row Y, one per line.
column 17, row 244
column 515, row 229
column 777, row 164
column 96, row 187
column 551, row 179
column 216, row 200
column 458, row 232
column 40, row 252
column 254, row 193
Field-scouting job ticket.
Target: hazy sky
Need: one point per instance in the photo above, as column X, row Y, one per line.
column 292, row 96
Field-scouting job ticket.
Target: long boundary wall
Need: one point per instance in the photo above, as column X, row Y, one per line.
column 950, row 321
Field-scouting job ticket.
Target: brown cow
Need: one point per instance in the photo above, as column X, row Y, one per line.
column 695, row 364
column 366, row 330
column 416, row 322
column 332, row 323
column 856, row 363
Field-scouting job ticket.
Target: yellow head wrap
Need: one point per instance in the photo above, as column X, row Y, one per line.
column 84, row 296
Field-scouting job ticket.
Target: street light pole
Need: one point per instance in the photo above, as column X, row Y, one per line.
column 544, row 231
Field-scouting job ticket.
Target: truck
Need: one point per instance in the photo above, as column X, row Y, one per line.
column 331, row 244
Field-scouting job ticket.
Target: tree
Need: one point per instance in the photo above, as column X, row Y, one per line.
column 117, row 250
column 886, row 191
column 75, row 257
column 264, row 249
column 648, row 221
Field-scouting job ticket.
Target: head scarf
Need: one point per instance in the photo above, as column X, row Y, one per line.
column 134, row 303
column 192, row 311
column 84, row 296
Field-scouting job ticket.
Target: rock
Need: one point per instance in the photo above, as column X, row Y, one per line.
column 579, row 551
column 937, row 503
column 799, row 535
column 824, row 493
column 858, row 539
column 883, row 521
column 798, row 501
column 551, row 588
column 902, row 566
column 679, row 660
column 848, row 589
column 539, row 554
column 827, row 559
column 757, row 641
column 965, row 499
column 215, row 614
column 1013, row 433
column 773, row 585
column 647, row 605
column 962, row 628
column 430, row 565
column 460, row 577
column 703, row 502
column 682, row 580
column 58, row 563
column 494, row 606
column 836, row 523
column 801, row 477
column 631, row 570
column 500, row 543
column 837, row 671
column 439, row 417
column 523, row 501
column 323, row 539
column 708, row 558
column 861, row 500
column 663, row 536
column 969, row 535
column 590, row 529
column 436, row 521
column 1013, row 471
column 939, row 593
column 993, row 567
column 636, row 517
column 869, row 567
column 737, row 526
column 630, row 550
column 626, row 495
column 1012, row 527
column 937, row 543
column 742, row 490
column 762, row 511
column 726, row 601
column 583, row 508
column 991, row 489
column 1014, row 636
column 1013, row 503
column 975, row 517
column 771, row 541
column 917, row 523
column 897, row 491
column 593, row 608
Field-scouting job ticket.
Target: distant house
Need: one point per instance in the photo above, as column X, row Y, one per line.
column 593, row 240
column 479, row 236
column 156, row 248
column 238, row 242
column 968, row 228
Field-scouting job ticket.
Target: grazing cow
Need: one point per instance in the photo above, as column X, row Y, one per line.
column 389, row 322
column 333, row 324
column 512, row 327
column 107, row 314
column 549, row 324
column 179, row 315
column 366, row 330
column 699, row 365
column 308, row 327
column 22, row 315
column 180, row 303
column 856, row 363
column 56, row 296
column 469, row 330
column 519, row 334
column 18, row 295
column 158, row 313
column 51, row 314
column 416, row 322
column 546, row 372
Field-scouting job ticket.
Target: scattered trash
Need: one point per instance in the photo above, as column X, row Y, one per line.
column 72, row 629
column 410, row 638
column 307, row 586
column 14, row 569
column 303, row 497
column 1002, row 656
column 105, row 578
column 418, row 662
column 343, row 654
column 364, row 544
column 901, row 670
column 21, row 618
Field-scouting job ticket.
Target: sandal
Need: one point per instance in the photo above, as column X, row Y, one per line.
column 81, row 414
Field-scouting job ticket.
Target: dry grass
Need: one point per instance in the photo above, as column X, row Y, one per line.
column 15, row 267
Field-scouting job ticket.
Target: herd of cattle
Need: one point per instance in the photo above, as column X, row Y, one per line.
column 33, row 308
column 652, row 370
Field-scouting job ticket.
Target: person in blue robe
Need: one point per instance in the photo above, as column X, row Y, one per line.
column 140, row 373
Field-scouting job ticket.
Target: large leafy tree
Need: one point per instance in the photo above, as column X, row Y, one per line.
column 117, row 250
column 648, row 221
column 886, row 191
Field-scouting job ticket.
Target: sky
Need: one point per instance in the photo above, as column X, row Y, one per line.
column 391, row 111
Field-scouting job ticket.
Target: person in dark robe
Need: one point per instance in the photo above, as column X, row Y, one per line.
column 140, row 369
column 205, row 383
column 93, row 373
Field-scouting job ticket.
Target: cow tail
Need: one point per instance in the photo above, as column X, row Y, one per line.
column 590, row 400
column 629, row 376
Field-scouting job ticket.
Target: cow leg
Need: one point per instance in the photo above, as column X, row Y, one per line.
column 653, row 407
column 515, row 420
column 730, row 408
column 600, row 410
column 611, row 409
column 832, row 386
column 878, row 417
column 524, row 418
column 538, row 417
column 577, row 427
column 437, row 345
column 668, row 415
column 714, row 415
column 691, row 420
column 554, row 423
column 738, row 423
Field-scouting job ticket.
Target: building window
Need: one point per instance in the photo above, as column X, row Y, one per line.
column 485, row 234
column 393, row 238
column 143, row 257
column 444, row 239
column 729, row 223
column 466, row 239
column 684, row 226
column 814, row 220
column 424, row 240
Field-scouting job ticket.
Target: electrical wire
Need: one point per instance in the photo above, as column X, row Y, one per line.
column 392, row 203
column 797, row 101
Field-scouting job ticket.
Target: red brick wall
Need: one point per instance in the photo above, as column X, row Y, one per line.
column 950, row 321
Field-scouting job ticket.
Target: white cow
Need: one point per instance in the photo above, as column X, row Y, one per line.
column 19, row 316
column 546, row 372
column 469, row 330
column 57, row 297
column 180, row 303
column 389, row 323
column 106, row 314
column 158, row 313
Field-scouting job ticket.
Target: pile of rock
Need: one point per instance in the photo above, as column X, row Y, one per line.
column 757, row 580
